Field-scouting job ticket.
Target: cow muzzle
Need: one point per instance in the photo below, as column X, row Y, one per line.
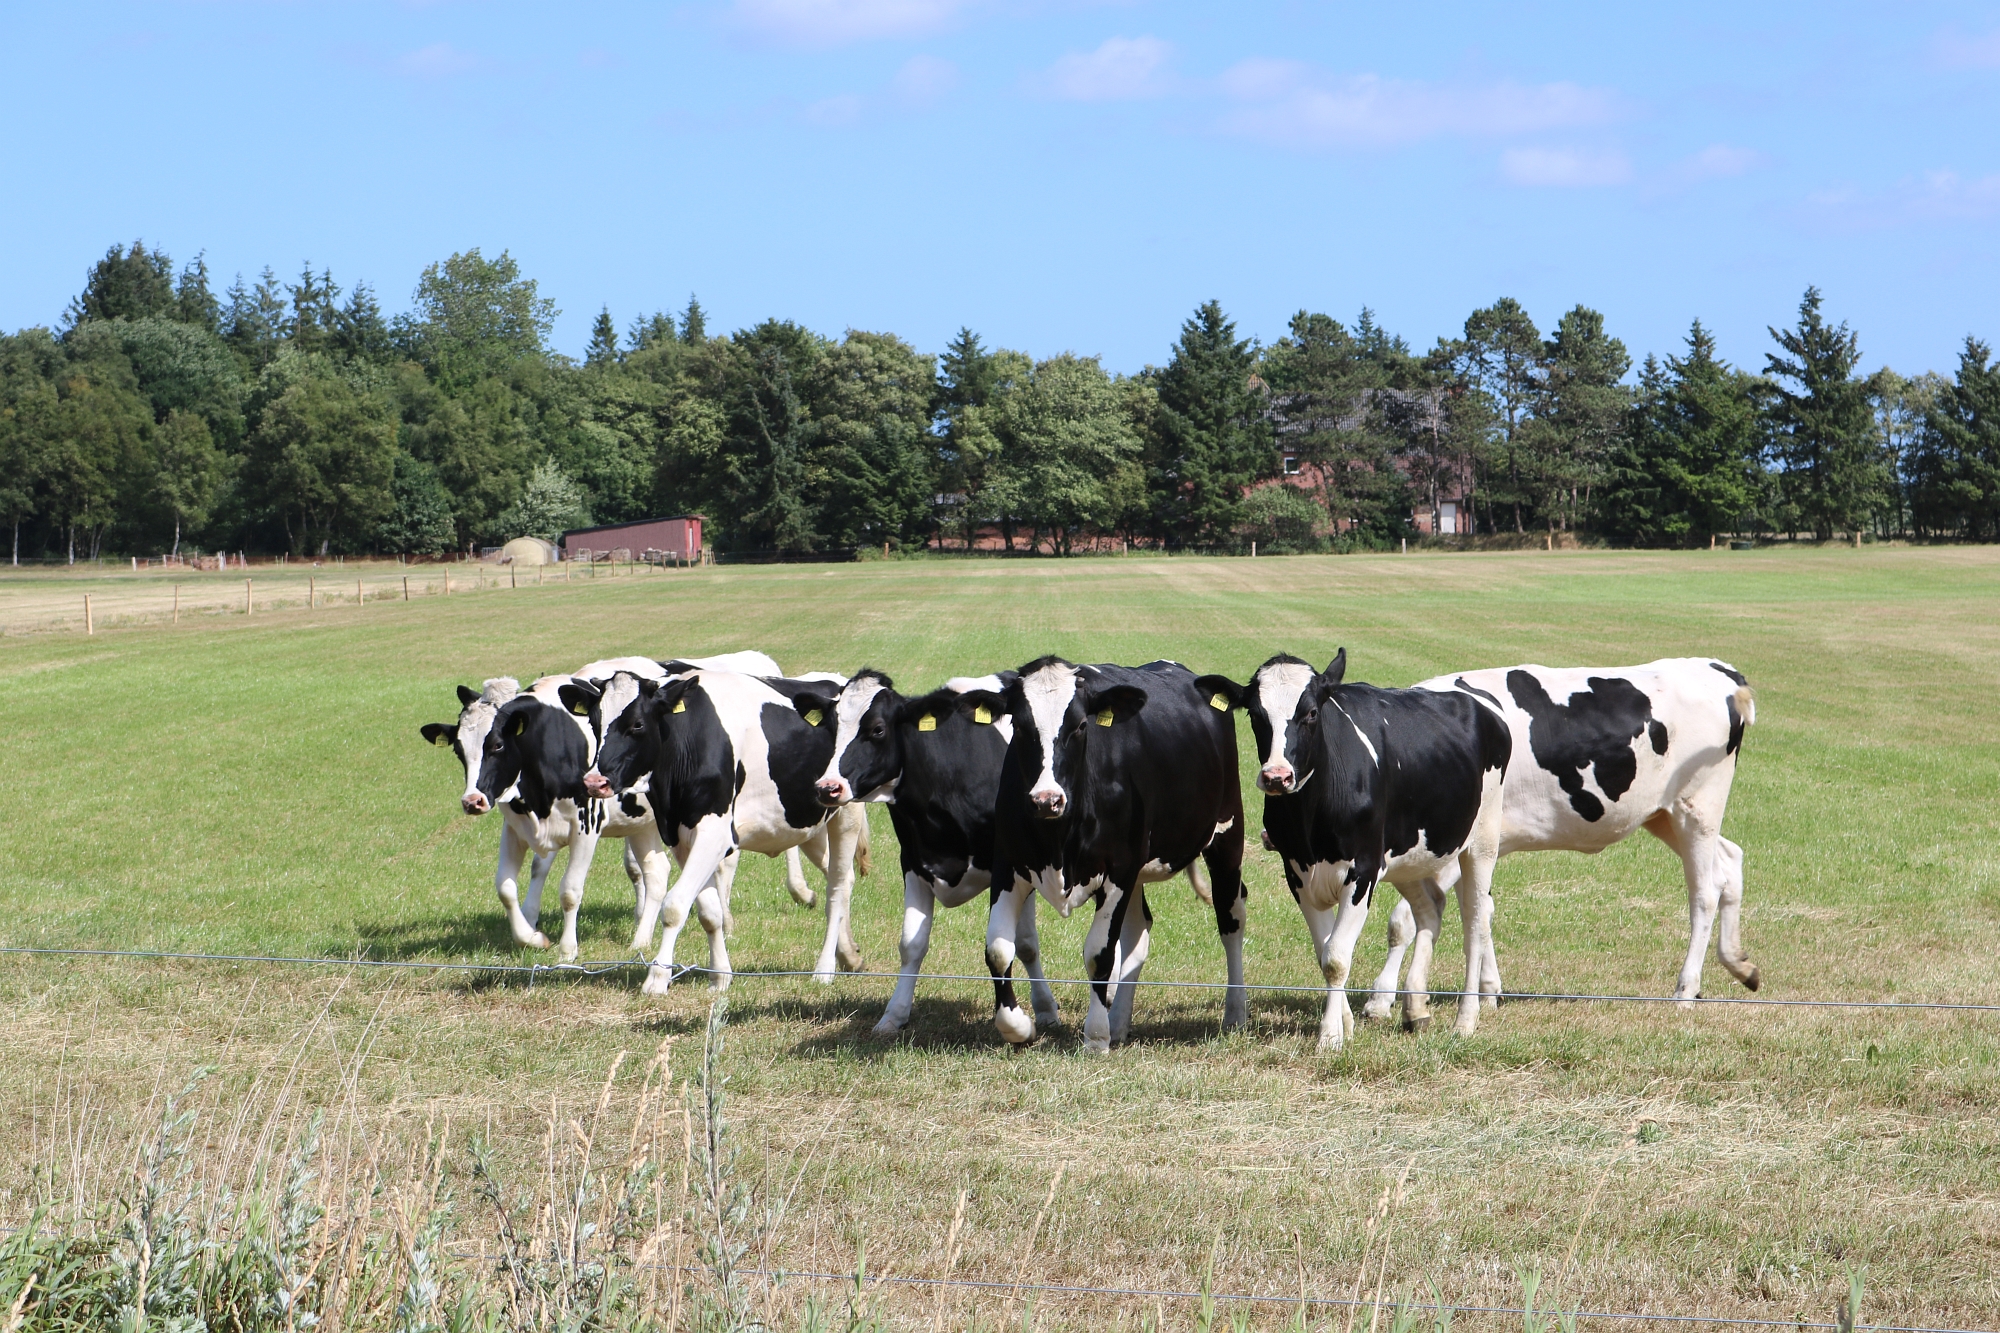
column 1049, row 803
column 832, row 792
column 475, row 803
column 597, row 785
column 1277, row 779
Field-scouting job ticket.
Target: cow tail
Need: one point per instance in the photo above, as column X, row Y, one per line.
column 1746, row 705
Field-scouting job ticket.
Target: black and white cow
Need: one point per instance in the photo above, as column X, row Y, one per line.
column 1602, row 752
column 1117, row 777
column 727, row 763
column 936, row 760
column 530, row 766
column 1363, row 785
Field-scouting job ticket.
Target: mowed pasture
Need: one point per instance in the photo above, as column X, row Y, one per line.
column 234, row 785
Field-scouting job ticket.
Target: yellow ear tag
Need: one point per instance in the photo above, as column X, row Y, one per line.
column 927, row 723
column 812, row 718
column 1218, row 703
column 441, row 740
column 1104, row 718
column 517, row 726
column 982, row 715
column 680, row 705
column 580, row 710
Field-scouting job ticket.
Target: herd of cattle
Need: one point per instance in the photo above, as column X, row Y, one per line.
column 1077, row 783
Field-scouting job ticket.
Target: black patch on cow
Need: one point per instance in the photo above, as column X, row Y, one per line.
column 630, row 805
column 742, row 776
column 1594, row 730
column 948, row 780
column 799, row 753
column 1735, row 725
column 1656, row 731
column 1730, row 672
column 1466, row 685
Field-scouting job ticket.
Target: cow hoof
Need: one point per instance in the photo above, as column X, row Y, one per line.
column 885, row 1030
column 826, row 977
column 658, row 980
column 1015, row 1026
column 536, row 941
column 804, row 897
column 851, row 962
column 1466, row 1029
column 1419, row 1024
column 1097, row 1046
column 1373, row 1012
column 1047, row 1022
column 1332, row 1044
column 1754, row 980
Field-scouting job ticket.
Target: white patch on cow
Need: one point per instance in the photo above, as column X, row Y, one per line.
column 849, row 708
column 475, row 724
column 963, row 684
column 1048, row 693
column 1279, row 687
column 1325, row 885
column 1366, row 744
column 620, row 693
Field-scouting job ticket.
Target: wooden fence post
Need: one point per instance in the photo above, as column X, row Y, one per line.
column 406, row 587
column 512, row 580
column 447, row 580
column 249, row 600
column 88, row 626
column 359, row 596
column 177, row 603
column 312, row 586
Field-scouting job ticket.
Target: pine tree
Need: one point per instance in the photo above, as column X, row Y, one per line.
column 1958, row 491
column 1821, row 431
column 194, row 303
column 1579, row 407
column 694, row 324
column 650, row 331
column 603, row 350
column 1213, row 441
column 126, row 284
column 1686, row 468
column 1500, row 356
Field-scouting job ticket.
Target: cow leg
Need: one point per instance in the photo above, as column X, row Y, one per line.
column 1134, row 942
column 795, row 879
column 1100, row 956
column 1002, row 928
column 1475, row 912
column 850, row 952
column 714, row 839
column 538, row 875
column 1028, row 948
column 655, row 873
column 919, row 909
column 711, row 908
column 838, row 950
column 1427, row 911
column 1334, row 932
column 1402, row 929
column 635, row 871
column 506, row 882
column 1729, row 917
column 1231, row 899
column 582, row 850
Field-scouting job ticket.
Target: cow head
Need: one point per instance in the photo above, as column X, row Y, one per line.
column 867, row 743
column 474, row 738
column 1284, row 699
column 636, row 717
column 1055, row 707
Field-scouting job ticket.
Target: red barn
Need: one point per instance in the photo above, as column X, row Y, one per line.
column 679, row 537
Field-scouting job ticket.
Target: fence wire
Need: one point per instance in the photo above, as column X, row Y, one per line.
column 536, row 971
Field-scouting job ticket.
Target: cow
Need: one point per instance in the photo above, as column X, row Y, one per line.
column 554, row 813
column 1363, row 785
column 1116, row 777
column 935, row 760
column 1602, row 752
column 727, row 763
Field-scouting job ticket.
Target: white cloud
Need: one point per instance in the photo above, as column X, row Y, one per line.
column 1123, row 69
column 1717, row 161
column 832, row 22
column 925, row 78
column 1958, row 49
column 1285, row 101
column 1564, row 168
column 439, row 60
column 1934, row 196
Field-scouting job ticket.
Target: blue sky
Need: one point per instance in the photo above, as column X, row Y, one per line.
column 1056, row 176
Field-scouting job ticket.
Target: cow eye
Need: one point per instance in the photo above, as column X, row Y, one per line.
column 1311, row 715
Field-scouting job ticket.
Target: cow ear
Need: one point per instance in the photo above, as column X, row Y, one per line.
column 1335, row 669
column 1115, row 703
column 467, row 695
column 984, row 707
column 666, row 695
column 440, row 733
column 579, row 696
column 814, row 708
column 1219, row 692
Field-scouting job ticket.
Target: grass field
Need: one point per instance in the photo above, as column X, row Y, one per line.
column 239, row 784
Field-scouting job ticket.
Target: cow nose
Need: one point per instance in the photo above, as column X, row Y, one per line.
column 476, row 803
column 597, row 785
column 1275, row 778
column 832, row 791
column 1049, row 804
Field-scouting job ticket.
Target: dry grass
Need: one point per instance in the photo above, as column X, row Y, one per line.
column 260, row 786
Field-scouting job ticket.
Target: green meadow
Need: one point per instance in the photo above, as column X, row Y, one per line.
column 234, row 784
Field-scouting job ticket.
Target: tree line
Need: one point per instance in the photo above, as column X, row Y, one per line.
column 159, row 416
